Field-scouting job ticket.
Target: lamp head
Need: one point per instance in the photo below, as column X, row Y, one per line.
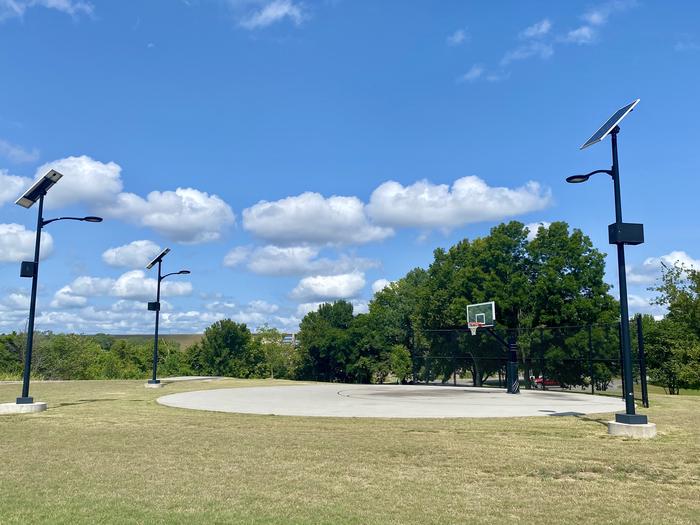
column 92, row 219
column 577, row 179
column 183, row 272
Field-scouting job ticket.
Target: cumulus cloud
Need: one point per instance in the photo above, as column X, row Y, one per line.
column 305, row 308
column 650, row 269
column 85, row 180
column 329, row 287
column 15, row 301
column 130, row 285
column 534, row 227
column 379, row 285
column 135, row 285
column 469, row 200
column 273, row 12
column 136, row 254
column 11, row 186
column 17, row 154
column 292, row 260
column 185, row 215
column 17, row 243
column 310, row 218
column 17, row 8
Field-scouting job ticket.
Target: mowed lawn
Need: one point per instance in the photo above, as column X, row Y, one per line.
column 105, row 451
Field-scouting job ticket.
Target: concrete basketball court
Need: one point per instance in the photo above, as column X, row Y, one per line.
column 391, row 401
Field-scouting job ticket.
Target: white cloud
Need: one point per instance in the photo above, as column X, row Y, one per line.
column 220, row 305
column 16, row 301
column 17, row 154
column 135, row 285
column 276, row 260
column 136, row 254
column 473, row 74
column 599, row 15
column 329, row 287
column 293, row 260
column 305, row 308
column 237, row 256
column 275, row 11
column 359, row 306
column 457, row 38
column 650, row 269
column 314, row 219
column 595, row 18
column 379, row 285
column 17, row 8
column 537, row 30
column 64, row 298
column 17, row 243
column 85, row 180
column 262, row 307
column 469, row 200
column 11, row 186
column 185, row 215
column 534, row 227
column 130, row 285
column 580, row 35
column 529, row 50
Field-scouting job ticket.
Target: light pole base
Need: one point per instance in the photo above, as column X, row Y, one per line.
column 22, row 408
column 631, row 419
column 639, row 431
column 25, row 400
column 154, row 384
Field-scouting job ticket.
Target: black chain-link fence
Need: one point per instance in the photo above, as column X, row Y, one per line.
column 578, row 358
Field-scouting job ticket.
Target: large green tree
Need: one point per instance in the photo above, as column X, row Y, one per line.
column 325, row 349
column 227, row 349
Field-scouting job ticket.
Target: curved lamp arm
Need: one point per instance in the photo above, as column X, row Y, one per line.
column 84, row 219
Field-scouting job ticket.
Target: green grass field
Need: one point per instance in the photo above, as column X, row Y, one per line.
column 105, row 452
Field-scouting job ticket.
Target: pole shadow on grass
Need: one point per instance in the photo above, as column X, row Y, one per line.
column 84, row 402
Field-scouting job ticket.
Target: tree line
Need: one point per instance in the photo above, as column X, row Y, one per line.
column 549, row 291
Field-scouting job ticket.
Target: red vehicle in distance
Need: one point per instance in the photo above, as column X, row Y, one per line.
column 541, row 382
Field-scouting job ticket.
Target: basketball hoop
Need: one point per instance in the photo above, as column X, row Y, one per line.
column 474, row 326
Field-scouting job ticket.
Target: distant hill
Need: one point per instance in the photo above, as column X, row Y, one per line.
column 185, row 340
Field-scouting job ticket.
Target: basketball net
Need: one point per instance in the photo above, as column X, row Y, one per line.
column 474, row 326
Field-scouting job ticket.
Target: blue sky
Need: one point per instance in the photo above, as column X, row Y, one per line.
column 294, row 152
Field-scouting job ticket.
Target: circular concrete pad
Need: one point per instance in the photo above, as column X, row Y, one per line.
column 391, row 401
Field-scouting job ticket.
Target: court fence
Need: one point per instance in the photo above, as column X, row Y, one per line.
column 585, row 358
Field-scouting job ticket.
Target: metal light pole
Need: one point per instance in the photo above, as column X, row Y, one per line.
column 31, row 269
column 155, row 306
column 619, row 233
column 153, row 380
column 25, row 399
column 630, row 416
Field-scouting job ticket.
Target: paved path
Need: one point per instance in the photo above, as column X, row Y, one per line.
column 391, row 401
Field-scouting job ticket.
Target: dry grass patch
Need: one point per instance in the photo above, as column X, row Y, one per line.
column 105, row 451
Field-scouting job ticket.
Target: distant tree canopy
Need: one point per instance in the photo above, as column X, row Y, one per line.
column 673, row 343
column 414, row 327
